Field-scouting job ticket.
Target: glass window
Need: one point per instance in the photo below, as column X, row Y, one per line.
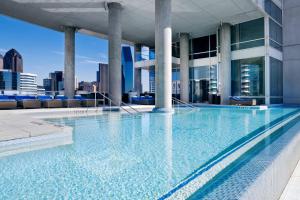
column 203, row 47
column 176, row 50
column 247, row 77
column 248, row 34
column 273, row 10
column 275, row 35
column 276, row 78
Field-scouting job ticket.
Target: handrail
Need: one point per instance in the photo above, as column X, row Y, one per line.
column 121, row 103
column 130, row 107
column 182, row 102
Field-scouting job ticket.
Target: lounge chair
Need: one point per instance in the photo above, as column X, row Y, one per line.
column 86, row 102
column 7, row 103
column 242, row 101
column 49, row 102
column 143, row 100
column 69, row 103
column 28, row 102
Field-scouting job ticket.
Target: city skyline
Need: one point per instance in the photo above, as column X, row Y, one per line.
column 46, row 52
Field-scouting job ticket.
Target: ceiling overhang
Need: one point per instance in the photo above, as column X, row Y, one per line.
column 197, row 17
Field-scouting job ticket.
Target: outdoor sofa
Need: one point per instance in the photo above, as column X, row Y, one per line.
column 49, row 102
column 7, row 102
column 143, row 100
column 242, row 101
column 69, row 103
column 86, row 102
column 27, row 102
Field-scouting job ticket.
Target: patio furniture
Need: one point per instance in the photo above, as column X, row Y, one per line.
column 7, row 103
column 49, row 102
column 86, row 102
column 143, row 100
column 69, row 103
column 28, row 102
column 242, row 101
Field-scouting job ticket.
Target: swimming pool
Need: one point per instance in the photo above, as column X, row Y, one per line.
column 117, row 156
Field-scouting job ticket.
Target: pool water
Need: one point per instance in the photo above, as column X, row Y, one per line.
column 116, row 156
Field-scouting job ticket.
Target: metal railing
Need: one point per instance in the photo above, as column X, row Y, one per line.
column 176, row 101
column 121, row 105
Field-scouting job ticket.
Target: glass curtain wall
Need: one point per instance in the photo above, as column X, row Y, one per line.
column 248, row 78
column 203, row 47
column 276, row 81
column 275, row 22
column 248, row 35
column 203, row 82
column 9, row 80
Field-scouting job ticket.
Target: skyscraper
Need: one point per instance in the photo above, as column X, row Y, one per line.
column 55, row 82
column 102, row 78
column 1, row 62
column 127, row 70
column 13, row 61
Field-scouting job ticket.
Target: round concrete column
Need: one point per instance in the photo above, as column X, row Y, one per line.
column 225, row 67
column 163, row 50
column 115, row 42
column 184, row 67
column 69, row 71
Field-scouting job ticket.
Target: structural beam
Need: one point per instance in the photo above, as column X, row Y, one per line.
column 184, row 67
column 69, row 71
column 115, row 51
column 163, row 50
column 225, row 67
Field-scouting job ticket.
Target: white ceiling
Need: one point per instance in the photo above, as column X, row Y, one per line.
column 198, row 17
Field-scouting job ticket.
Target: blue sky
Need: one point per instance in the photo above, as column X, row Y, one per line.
column 42, row 49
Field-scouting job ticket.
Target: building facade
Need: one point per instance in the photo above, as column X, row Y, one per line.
column 55, row 82
column 256, row 67
column 102, row 78
column 28, row 84
column 13, row 61
column 9, row 82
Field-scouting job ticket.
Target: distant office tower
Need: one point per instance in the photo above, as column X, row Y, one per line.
column 9, row 82
column 57, row 80
column 13, row 61
column 28, row 84
column 86, row 86
column 47, row 83
column 1, row 62
column 102, row 78
column 127, row 70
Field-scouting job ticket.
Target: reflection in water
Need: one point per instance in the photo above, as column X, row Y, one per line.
column 168, row 132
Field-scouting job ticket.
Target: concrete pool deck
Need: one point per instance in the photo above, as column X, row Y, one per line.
column 292, row 190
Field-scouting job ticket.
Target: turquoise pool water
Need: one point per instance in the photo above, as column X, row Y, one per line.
column 118, row 156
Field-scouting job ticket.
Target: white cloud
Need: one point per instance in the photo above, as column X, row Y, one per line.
column 103, row 58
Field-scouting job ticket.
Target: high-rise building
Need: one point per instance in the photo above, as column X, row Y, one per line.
column 47, row 84
column 9, row 82
column 1, row 62
column 86, row 86
column 127, row 70
column 13, row 61
column 102, row 78
column 28, row 84
column 57, row 80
